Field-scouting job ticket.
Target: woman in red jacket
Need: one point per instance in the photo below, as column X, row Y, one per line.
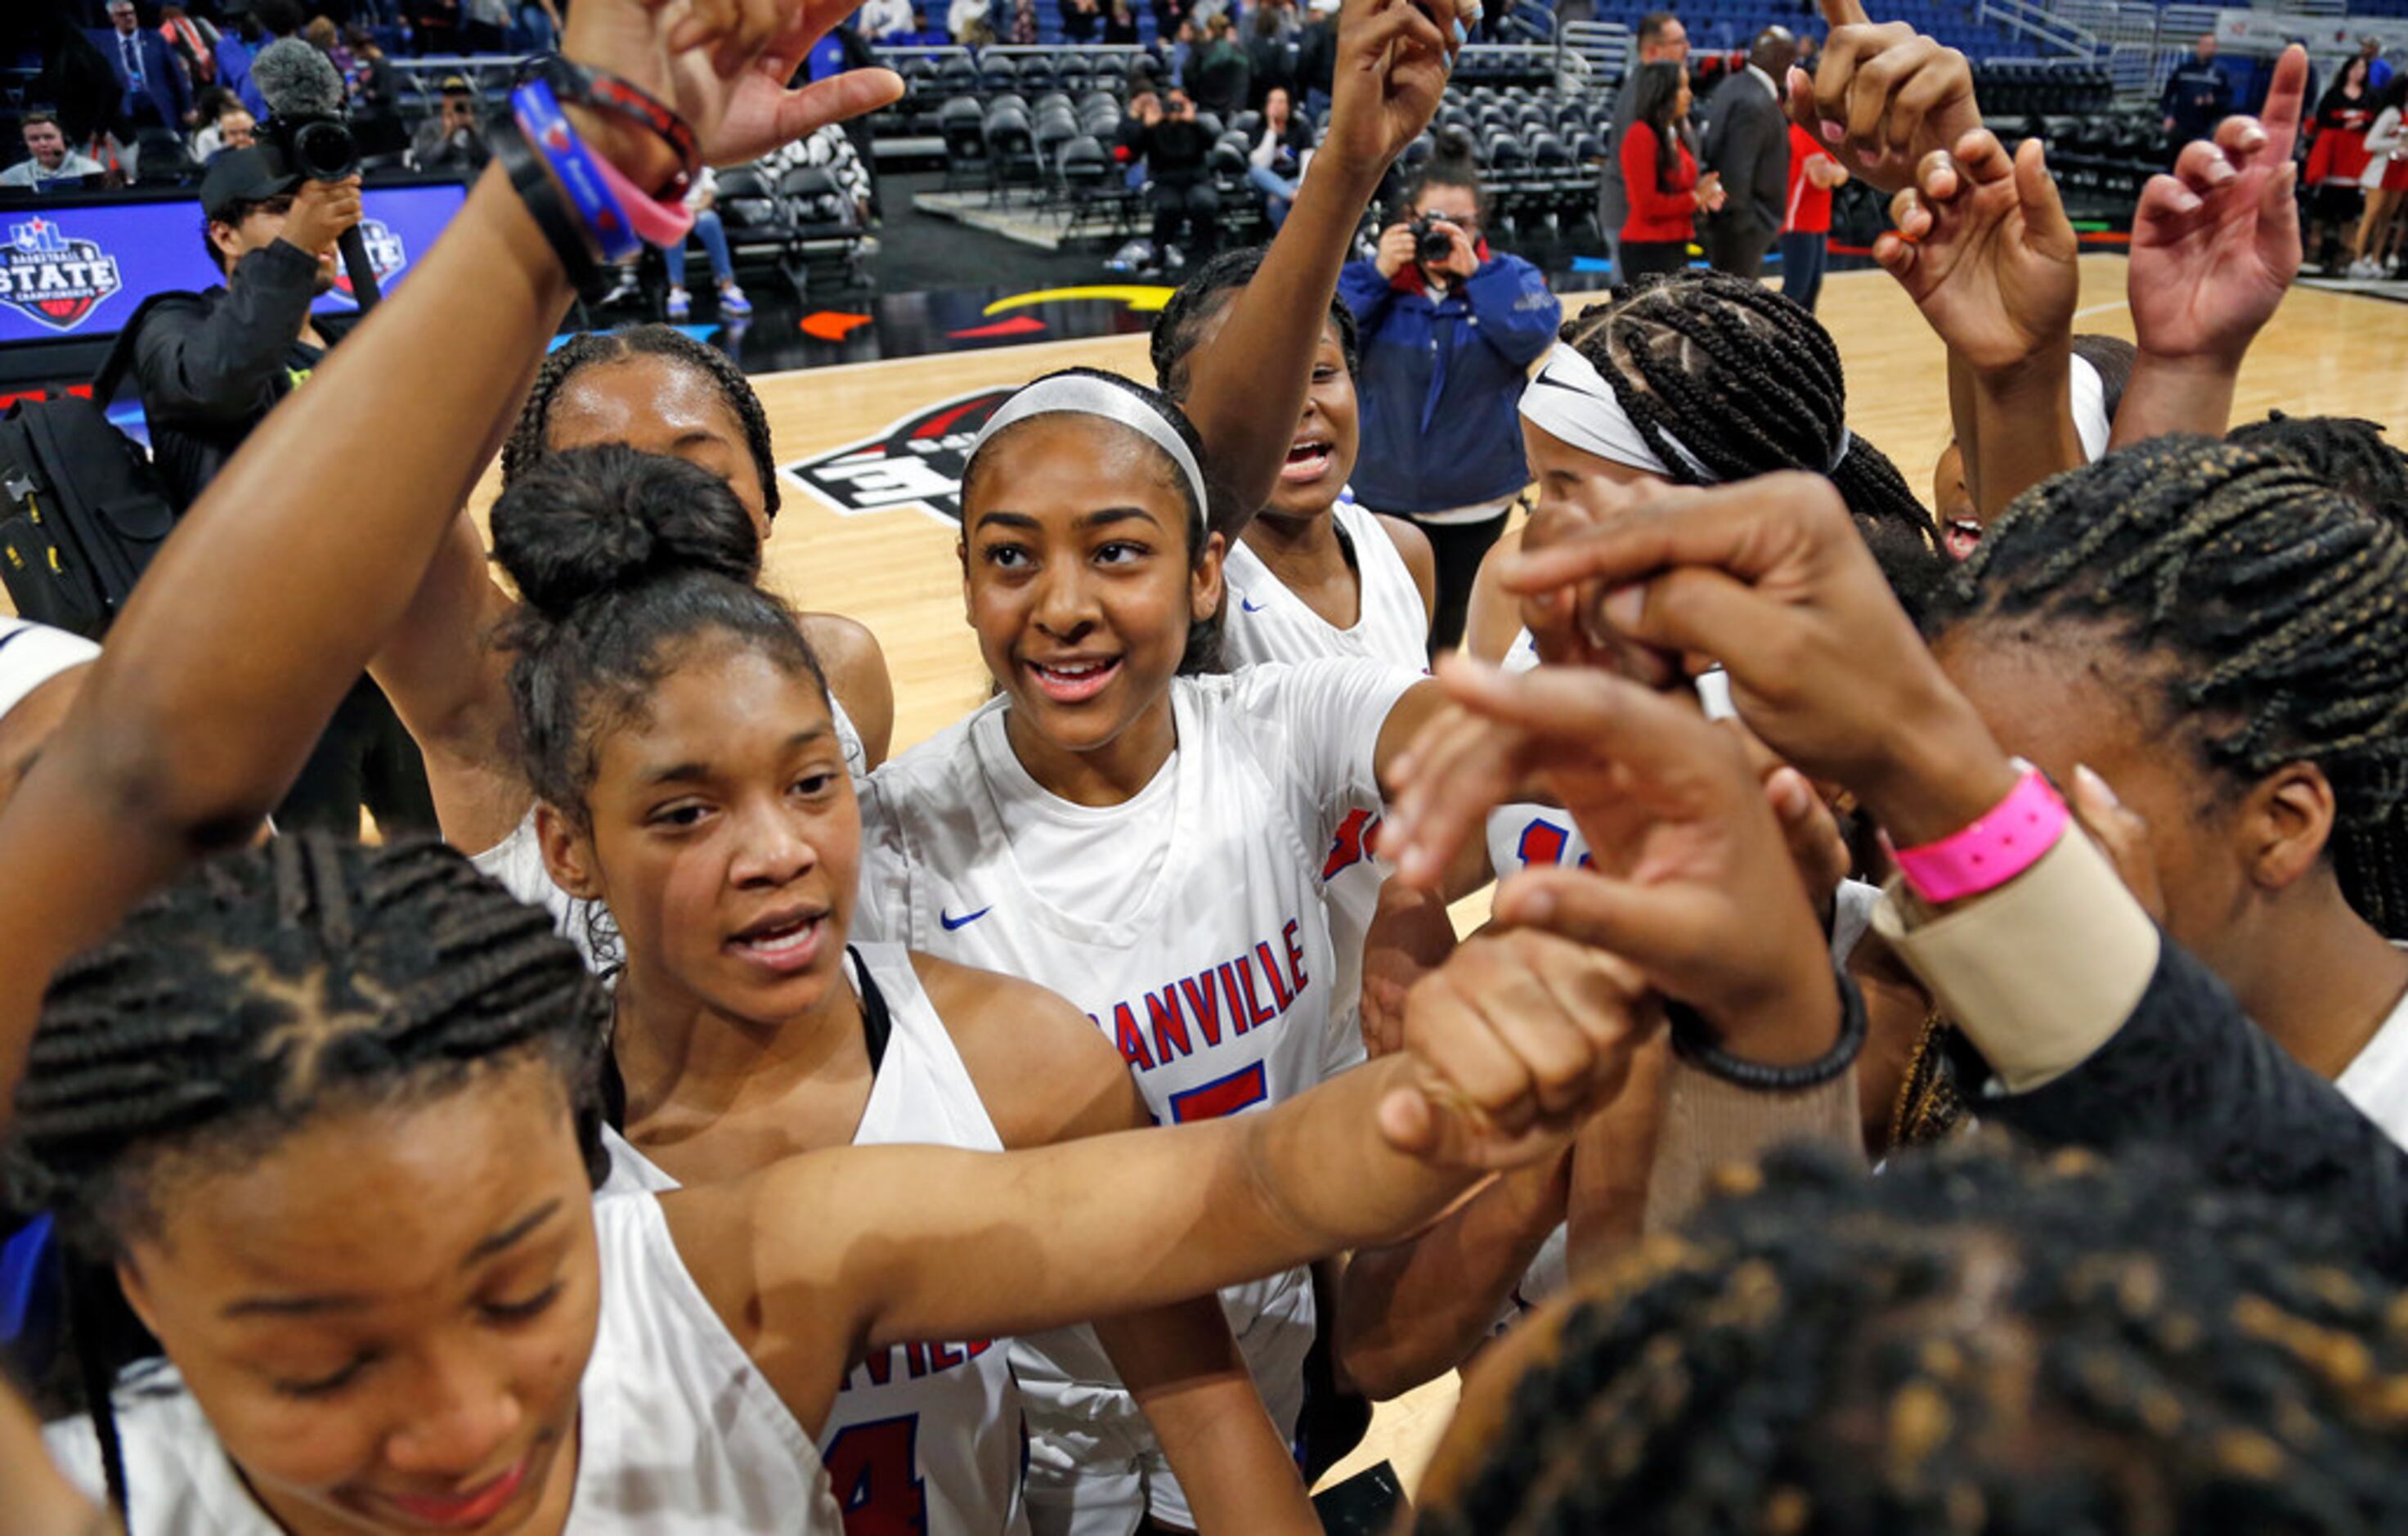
column 1661, row 171
column 2338, row 158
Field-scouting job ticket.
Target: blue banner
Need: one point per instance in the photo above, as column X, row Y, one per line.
column 71, row 268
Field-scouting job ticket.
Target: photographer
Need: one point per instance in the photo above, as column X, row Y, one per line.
column 211, row 365
column 1449, row 331
column 1174, row 148
column 451, row 139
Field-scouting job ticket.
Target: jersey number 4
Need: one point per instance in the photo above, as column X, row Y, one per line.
column 1223, row 1095
column 875, row 1470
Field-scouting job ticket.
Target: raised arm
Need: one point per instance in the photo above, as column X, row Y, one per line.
column 253, row 622
column 1248, row 383
column 2214, row 248
column 1512, row 1042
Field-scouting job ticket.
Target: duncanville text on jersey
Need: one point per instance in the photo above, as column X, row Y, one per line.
column 1240, row 994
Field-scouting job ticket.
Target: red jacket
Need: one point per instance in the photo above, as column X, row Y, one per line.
column 1661, row 208
column 1810, row 205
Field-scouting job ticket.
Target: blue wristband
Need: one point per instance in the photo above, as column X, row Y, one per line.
column 546, row 127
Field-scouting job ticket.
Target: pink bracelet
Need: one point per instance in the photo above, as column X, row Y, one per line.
column 655, row 221
column 2005, row 842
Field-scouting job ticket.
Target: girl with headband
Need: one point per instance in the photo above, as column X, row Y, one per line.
column 745, row 1024
column 1151, row 842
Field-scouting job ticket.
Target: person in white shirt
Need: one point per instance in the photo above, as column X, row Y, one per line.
column 47, row 156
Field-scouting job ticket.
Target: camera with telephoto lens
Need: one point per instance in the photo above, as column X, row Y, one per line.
column 320, row 148
column 1431, row 244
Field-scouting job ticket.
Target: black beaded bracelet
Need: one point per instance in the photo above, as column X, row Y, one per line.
column 535, row 188
column 1694, row 1042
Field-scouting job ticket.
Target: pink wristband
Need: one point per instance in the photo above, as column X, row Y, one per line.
column 2005, row 842
column 655, row 222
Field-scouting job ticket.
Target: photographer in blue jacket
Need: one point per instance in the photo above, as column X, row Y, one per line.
column 1449, row 330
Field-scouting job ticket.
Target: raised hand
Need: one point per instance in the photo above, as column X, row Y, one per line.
column 1984, row 248
column 1393, row 60
column 1883, row 97
column 1516, row 1039
column 2216, row 244
column 723, row 65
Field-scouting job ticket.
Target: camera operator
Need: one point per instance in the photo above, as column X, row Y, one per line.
column 451, row 139
column 211, row 367
column 1449, row 331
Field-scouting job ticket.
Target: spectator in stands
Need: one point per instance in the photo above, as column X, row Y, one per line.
column 2378, row 69
column 1174, row 148
column 2338, row 158
column 967, row 24
column 1080, row 18
column 1747, row 145
column 267, row 21
column 1659, row 173
column 1316, row 57
column 1662, row 39
column 151, row 91
column 1815, row 175
column 1020, row 23
column 1120, row 26
column 484, row 25
column 321, row 34
column 1218, row 71
column 193, row 40
column 47, row 158
column 211, row 367
column 1270, row 64
column 1805, row 59
column 881, row 20
column 712, row 233
column 452, row 140
column 229, row 126
column 2197, row 95
column 540, row 26
column 1276, row 164
column 436, row 25
column 2385, row 182
column 1445, row 346
column 375, row 88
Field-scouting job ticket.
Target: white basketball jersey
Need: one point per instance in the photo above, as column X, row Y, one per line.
column 921, row 1436
column 1523, row 836
column 1213, row 980
column 517, row 863
column 679, row 1433
column 1263, row 621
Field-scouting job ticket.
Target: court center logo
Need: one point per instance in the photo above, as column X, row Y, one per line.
column 385, row 255
column 916, row 462
column 51, row 279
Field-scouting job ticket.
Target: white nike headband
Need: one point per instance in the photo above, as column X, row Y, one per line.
column 33, row 653
column 2090, row 419
column 1569, row 399
column 1083, row 395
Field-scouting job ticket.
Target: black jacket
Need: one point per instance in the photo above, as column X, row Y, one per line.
column 2189, row 1070
column 2197, row 96
column 211, row 365
column 1748, row 140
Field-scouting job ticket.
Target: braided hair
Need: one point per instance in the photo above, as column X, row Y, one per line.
column 2283, row 602
column 526, row 447
column 1206, row 292
column 1747, row 384
column 1975, row 1343
column 2347, row 452
column 269, row 987
column 618, row 556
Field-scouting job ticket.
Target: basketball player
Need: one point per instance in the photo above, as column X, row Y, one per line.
column 746, row 1027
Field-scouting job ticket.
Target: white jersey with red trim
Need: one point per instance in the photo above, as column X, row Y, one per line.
column 1526, row 836
column 921, row 1436
column 1204, row 956
column 1263, row 621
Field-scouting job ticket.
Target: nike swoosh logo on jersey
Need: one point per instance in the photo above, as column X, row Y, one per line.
column 1250, row 604
column 952, row 922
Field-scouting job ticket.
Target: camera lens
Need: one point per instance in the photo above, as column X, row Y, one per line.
column 325, row 151
column 1431, row 243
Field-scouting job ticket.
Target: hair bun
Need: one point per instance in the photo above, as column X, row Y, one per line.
column 588, row 522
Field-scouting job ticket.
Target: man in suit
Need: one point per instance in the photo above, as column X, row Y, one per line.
column 1661, row 38
column 152, row 91
column 1747, row 143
